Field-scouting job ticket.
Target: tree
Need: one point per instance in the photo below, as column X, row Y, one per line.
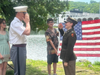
column 37, row 9
column 6, row 9
column 85, row 7
column 92, row 1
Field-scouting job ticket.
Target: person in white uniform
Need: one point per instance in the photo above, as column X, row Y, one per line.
column 17, row 37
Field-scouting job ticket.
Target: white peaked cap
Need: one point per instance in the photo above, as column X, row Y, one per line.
column 20, row 8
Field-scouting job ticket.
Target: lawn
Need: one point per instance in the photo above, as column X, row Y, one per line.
column 37, row 67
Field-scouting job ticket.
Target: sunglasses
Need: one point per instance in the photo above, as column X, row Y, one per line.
column 65, row 22
column 51, row 22
column 24, row 13
column 68, row 21
column 4, row 23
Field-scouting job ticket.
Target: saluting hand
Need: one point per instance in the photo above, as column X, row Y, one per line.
column 60, row 26
column 26, row 19
column 65, row 64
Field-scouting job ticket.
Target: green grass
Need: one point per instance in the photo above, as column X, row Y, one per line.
column 10, row 72
column 95, row 67
column 37, row 67
column 97, row 63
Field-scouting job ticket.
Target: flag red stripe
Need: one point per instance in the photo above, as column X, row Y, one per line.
column 84, row 44
column 88, row 55
column 88, row 28
column 90, row 22
column 93, row 38
column 60, row 44
column 87, row 44
column 59, row 54
column 86, row 49
column 91, row 33
column 59, row 49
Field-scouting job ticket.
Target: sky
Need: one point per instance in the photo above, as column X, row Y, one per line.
column 88, row 1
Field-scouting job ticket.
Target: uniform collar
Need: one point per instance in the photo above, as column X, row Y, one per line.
column 17, row 19
column 70, row 29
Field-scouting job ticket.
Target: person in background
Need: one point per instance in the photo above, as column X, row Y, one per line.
column 69, row 39
column 4, row 47
column 17, row 36
column 52, row 46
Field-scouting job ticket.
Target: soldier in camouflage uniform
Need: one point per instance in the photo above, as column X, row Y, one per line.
column 52, row 46
column 69, row 39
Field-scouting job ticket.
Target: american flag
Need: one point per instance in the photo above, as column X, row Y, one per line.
column 88, row 39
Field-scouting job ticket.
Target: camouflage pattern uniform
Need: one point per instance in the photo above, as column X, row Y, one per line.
column 53, row 36
column 51, row 54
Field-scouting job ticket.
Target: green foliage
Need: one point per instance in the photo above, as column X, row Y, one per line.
column 92, row 1
column 40, row 10
column 93, row 7
column 6, row 9
column 37, row 9
column 11, row 72
column 97, row 63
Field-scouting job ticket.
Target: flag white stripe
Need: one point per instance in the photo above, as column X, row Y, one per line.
column 86, row 41
column 92, row 30
column 90, row 36
column 87, row 46
column 87, row 52
column 90, row 25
